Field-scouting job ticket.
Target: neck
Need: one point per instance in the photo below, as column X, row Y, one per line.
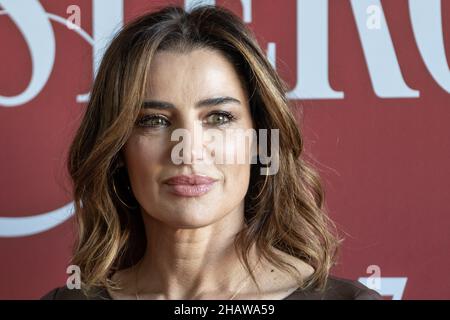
column 182, row 263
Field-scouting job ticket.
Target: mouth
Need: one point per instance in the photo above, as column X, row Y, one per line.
column 190, row 185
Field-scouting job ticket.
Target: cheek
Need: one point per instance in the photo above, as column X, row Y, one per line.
column 142, row 156
column 231, row 146
column 236, row 166
column 236, row 182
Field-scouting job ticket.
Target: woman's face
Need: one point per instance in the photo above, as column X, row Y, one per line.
column 179, row 87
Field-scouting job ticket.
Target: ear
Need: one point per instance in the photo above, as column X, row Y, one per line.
column 254, row 152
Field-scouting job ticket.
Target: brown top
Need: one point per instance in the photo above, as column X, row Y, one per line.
column 336, row 289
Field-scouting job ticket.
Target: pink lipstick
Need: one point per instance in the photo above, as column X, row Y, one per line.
column 190, row 185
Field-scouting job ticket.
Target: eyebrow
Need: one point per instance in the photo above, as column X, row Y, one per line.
column 209, row 102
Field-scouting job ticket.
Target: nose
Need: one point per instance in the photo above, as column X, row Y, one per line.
column 197, row 148
column 195, row 143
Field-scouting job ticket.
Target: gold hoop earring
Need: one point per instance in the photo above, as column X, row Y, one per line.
column 117, row 195
column 264, row 185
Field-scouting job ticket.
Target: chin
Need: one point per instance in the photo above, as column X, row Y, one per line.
column 186, row 215
column 191, row 222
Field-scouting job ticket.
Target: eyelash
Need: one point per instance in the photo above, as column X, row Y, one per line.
column 230, row 118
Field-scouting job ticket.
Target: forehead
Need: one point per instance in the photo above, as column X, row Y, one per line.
column 192, row 75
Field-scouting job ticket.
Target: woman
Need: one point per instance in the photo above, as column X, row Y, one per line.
column 159, row 224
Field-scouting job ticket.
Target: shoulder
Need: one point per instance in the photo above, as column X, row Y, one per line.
column 64, row 293
column 337, row 289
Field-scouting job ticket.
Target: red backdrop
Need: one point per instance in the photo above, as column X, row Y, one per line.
column 371, row 77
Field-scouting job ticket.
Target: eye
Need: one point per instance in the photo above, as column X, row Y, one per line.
column 153, row 121
column 220, row 118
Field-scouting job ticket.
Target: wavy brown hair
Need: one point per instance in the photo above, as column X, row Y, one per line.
column 284, row 211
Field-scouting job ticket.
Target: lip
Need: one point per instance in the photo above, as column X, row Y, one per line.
column 190, row 185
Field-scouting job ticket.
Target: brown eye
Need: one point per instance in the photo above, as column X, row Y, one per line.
column 153, row 121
